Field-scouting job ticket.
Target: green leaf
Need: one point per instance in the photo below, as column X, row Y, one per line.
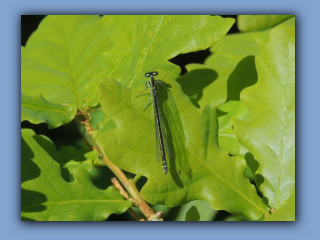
column 210, row 83
column 221, row 78
column 227, row 138
column 36, row 109
column 199, row 169
column 46, row 196
column 286, row 211
column 225, row 73
column 243, row 76
column 248, row 23
column 61, row 58
column 270, row 134
column 131, row 149
column 146, row 43
column 67, row 56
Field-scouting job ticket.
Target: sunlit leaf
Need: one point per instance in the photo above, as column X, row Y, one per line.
column 36, row 109
column 61, row 58
column 227, row 138
column 222, row 77
column 46, row 196
column 196, row 171
column 286, row 211
column 248, row 23
column 67, row 56
column 233, row 57
column 229, row 70
column 147, row 43
column 270, row 134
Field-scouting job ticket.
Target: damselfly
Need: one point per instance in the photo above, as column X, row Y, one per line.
column 161, row 140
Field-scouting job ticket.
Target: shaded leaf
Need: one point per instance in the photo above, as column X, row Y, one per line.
column 270, row 134
column 197, row 210
column 248, row 23
column 46, row 196
column 198, row 170
column 192, row 214
column 236, row 219
column 36, row 110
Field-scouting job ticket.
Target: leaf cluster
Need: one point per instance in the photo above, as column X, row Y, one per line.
column 229, row 122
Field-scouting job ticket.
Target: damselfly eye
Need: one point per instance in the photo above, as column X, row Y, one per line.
column 147, row 75
column 154, row 73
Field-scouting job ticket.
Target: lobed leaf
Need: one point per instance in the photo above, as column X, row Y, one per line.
column 270, row 134
column 147, row 43
column 46, row 196
column 210, row 83
column 221, row 78
column 227, row 138
column 36, row 109
column 229, row 70
column 198, row 170
column 248, row 23
column 67, row 56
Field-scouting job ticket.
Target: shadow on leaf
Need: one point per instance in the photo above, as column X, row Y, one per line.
column 244, row 75
column 29, row 170
column 253, row 164
column 63, row 156
column 195, row 81
column 31, row 201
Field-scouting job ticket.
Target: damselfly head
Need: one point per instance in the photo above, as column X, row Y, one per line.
column 148, row 74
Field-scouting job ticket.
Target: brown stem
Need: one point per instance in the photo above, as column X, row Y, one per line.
column 127, row 183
